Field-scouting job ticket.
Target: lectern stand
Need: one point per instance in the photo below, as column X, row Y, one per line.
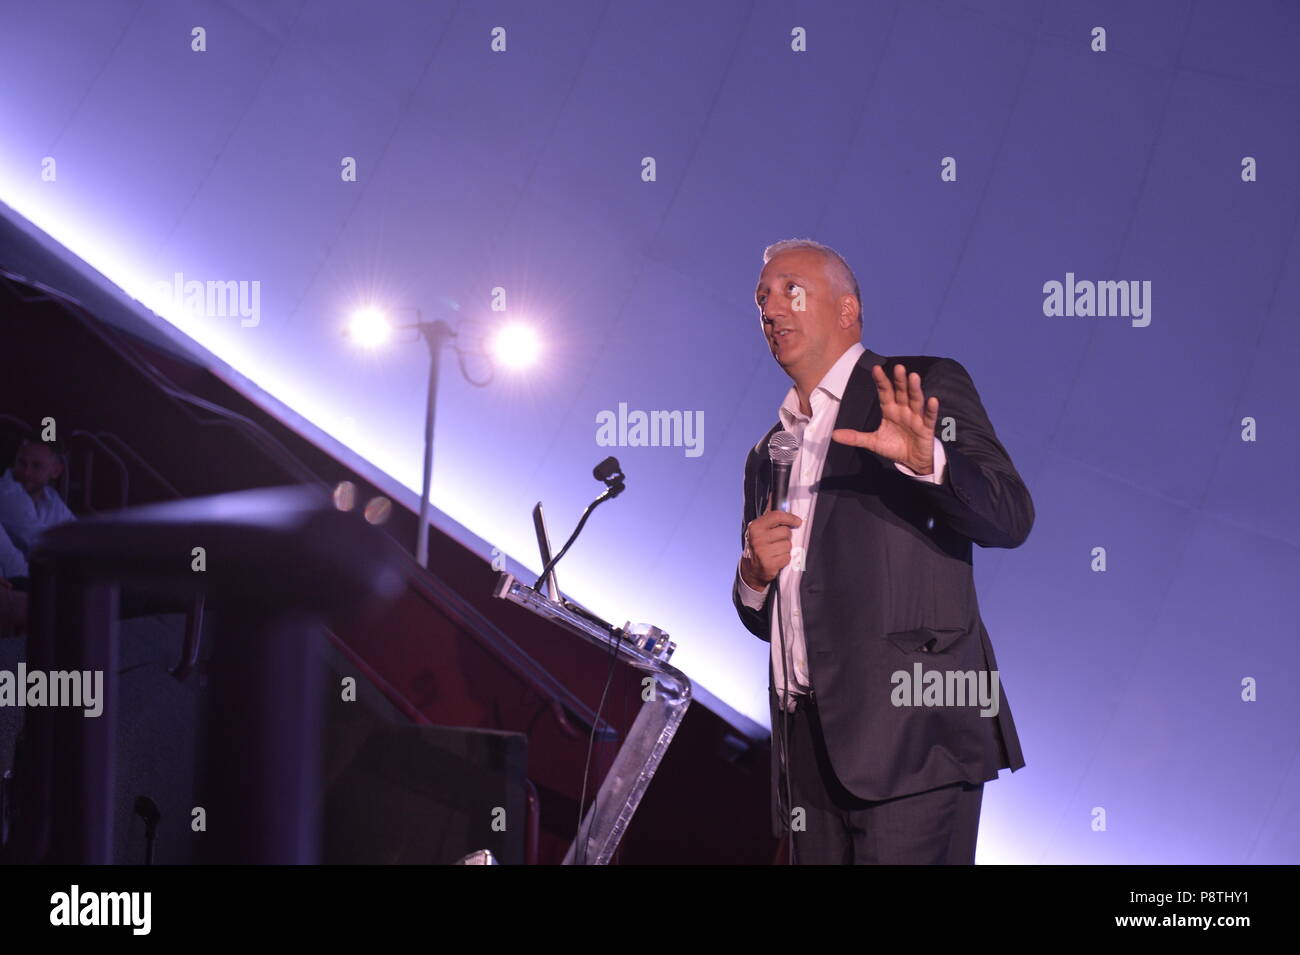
column 648, row 649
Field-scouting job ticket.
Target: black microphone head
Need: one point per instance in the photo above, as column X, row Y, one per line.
column 783, row 447
column 607, row 470
column 147, row 810
column 611, row 473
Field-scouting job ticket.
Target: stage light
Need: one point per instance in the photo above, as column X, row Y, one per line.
column 516, row 345
column 370, row 328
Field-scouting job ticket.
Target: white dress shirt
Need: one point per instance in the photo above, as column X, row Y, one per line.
column 814, row 434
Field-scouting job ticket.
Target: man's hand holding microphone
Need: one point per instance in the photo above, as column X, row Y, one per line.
column 768, row 538
column 767, row 547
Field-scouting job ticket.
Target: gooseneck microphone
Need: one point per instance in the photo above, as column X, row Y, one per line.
column 611, row 473
column 782, row 448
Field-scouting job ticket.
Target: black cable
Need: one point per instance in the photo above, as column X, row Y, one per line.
column 627, row 674
column 591, row 741
column 785, row 717
column 783, row 747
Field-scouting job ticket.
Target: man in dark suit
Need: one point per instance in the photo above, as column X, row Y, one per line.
column 887, row 710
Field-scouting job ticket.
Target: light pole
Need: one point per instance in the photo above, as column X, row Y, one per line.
column 515, row 345
column 436, row 334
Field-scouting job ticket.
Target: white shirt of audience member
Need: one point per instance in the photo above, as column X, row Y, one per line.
column 23, row 515
column 12, row 561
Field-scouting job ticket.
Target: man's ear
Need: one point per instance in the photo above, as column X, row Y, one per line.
column 848, row 317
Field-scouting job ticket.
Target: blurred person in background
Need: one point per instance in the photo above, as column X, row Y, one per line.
column 28, row 504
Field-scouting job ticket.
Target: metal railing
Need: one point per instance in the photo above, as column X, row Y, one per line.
column 278, row 566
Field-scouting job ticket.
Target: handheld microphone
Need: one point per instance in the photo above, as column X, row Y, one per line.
column 782, row 449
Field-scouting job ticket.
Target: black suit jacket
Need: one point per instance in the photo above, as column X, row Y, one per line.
column 888, row 583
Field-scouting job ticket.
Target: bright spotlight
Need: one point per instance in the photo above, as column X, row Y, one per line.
column 516, row 345
column 370, row 328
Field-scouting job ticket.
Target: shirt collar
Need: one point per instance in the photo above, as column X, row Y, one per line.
column 833, row 383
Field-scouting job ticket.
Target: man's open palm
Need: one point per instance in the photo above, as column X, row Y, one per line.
column 907, row 420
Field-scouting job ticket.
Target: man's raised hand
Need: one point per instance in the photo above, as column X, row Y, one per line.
column 907, row 420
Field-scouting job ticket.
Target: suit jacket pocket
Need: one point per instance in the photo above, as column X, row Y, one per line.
column 925, row 639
